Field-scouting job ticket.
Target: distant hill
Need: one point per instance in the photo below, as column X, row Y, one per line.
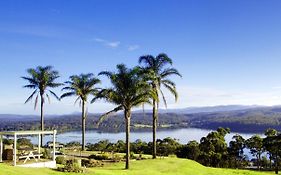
column 16, row 117
column 221, row 108
column 238, row 118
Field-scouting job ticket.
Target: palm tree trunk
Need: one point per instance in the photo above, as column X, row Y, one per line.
column 42, row 116
column 259, row 161
column 276, row 164
column 83, row 124
column 155, row 116
column 128, row 121
column 270, row 159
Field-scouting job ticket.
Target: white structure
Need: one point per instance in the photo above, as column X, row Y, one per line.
column 27, row 133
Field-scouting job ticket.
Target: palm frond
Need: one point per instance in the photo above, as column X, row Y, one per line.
column 32, row 81
column 106, row 73
column 104, row 116
column 54, row 85
column 81, row 86
column 48, row 97
column 68, row 82
column 103, row 93
column 32, row 72
column 172, row 90
column 68, row 88
column 163, row 59
column 31, row 86
column 147, row 60
column 78, row 98
column 55, row 95
column 169, row 72
column 80, row 102
column 156, row 74
column 30, row 97
column 95, row 91
column 41, row 78
column 164, row 99
column 92, row 82
column 140, row 100
column 67, row 94
column 168, row 82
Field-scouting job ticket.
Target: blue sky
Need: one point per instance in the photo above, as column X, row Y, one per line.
column 227, row 51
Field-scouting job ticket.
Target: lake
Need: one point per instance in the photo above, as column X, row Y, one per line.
column 182, row 135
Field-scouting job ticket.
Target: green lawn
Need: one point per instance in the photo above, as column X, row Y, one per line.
column 173, row 166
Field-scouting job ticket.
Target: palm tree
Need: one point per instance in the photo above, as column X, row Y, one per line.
column 81, row 86
column 156, row 73
column 41, row 79
column 128, row 90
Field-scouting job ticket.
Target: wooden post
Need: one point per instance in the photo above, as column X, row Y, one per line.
column 15, row 149
column 1, row 148
column 39, row 145
column 54, row 145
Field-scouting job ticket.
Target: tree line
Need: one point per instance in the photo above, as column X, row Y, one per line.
column 130, row 87
column 212, row 150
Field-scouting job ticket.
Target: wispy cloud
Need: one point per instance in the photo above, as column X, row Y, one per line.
column 112, row 44
column 133, row 47
column 99, row 40
column 115, row 44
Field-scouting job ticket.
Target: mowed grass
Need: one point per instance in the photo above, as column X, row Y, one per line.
column 171, row 166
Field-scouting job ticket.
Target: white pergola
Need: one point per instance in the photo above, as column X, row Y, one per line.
column 26, row 133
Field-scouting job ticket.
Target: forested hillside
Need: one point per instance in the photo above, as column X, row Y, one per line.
column 245, row 120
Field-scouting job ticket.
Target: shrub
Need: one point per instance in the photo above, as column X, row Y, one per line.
column 116, row 158
column 60, row 160
column 99, row 157
column 72, row 165
column 89, row 163
column 73, row 144
column 172, row 156
column 132, row 156
column 23, row 142
column 140, row 157
column 8, row 141
column 47, row 154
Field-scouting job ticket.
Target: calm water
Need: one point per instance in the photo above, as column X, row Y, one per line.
column 183, row 136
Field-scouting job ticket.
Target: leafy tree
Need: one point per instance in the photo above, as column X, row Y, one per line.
column 42, row 80
column 255, row 144
column 73, row 144
column 8, row 141
column 190, row 151
column 167, row 146
column 120, row 146
column 268, row 146
column 24, row 142
column 272, row 144
column 157, row 74
column 214, row 148
column 139, row 147
column 271, row 132
column 81, row 86
column 100, row 146
column 128, row 90
column 235, row 149
column 264, row 162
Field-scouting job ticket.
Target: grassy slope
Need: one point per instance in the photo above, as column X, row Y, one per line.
column 171, row 166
